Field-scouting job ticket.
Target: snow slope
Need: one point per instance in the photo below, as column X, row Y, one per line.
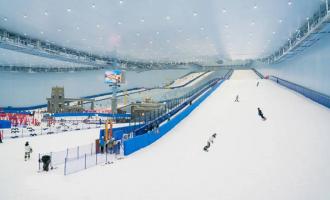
column 185, row 79
column 285, row 157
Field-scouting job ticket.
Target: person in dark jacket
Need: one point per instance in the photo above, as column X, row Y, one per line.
column 261, row 114
column 208, row 145
column 237, row 98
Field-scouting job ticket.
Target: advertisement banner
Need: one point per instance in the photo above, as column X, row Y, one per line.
column 114, row 76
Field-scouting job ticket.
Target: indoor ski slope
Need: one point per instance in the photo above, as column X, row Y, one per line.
column 285, row 157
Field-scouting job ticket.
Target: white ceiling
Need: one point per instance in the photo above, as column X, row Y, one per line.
column 161, row 29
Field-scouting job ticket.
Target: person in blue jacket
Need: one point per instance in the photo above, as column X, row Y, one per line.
column 102, row 144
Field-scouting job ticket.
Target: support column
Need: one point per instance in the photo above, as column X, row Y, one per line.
column 114, row 99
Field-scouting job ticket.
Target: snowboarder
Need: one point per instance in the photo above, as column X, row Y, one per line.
column 214, row 135
column 206, row 148
column 261, row 114
column 28, row 151
column 236, row 100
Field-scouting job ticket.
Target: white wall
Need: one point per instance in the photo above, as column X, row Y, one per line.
column 311, row 68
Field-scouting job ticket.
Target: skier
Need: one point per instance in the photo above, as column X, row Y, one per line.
column 206, row 148
column 28, row 151
column 261, row 114
column 236, row 100
column 257, row 83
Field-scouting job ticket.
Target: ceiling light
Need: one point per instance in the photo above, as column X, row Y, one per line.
column 93, row 6
column 41, row 32
column 119, row 23
column 195, row 14
column 5, row 19
column 59, row 30
column 289, row 3
column 25, row 16
column 68, row 10
column 280, row 21
column 78, row 28
column 224, row 10
column 141, row 20
column 168, row 18
column 255, row 6
column 46, row 13
column 121, row 2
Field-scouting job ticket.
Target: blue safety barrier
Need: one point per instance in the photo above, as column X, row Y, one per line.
column 10, row 109
column 5, row 124
column 114, row 116
column 16, row 112
column 309, row 93
column 141, row 141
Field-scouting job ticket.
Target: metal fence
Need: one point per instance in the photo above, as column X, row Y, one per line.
column 86, row 161
column 24, row 132
column 75, row 153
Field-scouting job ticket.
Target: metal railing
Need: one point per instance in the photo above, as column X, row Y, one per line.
column 309, row 33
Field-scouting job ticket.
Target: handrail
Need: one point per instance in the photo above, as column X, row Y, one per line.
column 258, row 73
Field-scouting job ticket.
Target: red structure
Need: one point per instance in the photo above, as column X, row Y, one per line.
column 18, row 119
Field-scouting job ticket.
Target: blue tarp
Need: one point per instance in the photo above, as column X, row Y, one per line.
column 5, row 124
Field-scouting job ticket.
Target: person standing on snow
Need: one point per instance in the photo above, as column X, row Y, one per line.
column 28, row 151
column 261, row 114
column 1, row 135
column 236, row 100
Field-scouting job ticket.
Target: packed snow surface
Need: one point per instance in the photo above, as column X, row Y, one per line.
column 185, row 79
column 284, row 157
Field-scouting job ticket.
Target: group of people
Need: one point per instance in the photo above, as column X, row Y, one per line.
column 260, row 113
column 209, row 142
column 112, row 146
